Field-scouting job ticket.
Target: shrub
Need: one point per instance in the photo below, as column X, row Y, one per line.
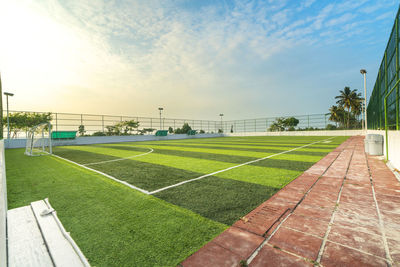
column 99, row 134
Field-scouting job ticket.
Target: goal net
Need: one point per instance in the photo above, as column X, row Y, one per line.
column 38, row 141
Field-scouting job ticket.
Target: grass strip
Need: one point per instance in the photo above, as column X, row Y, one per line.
column 112, row 224
column 222, row 200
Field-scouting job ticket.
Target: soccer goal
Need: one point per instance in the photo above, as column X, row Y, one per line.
column 38, row 141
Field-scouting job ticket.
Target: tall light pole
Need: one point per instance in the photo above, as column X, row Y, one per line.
column 160, row 109
column 1, row 110
column 221, row 120
column 8, row 118
column 364, row 73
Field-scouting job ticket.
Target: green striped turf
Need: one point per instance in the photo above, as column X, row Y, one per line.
column 115, row 225
column 112, row 224
column 222, row 200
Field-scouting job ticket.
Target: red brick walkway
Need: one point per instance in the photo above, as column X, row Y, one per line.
column 343, row 211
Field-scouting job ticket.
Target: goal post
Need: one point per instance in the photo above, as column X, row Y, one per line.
column 38, row 140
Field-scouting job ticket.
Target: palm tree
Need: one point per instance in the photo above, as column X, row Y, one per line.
column 349, row 99
column 337, row 115
column 334, row 114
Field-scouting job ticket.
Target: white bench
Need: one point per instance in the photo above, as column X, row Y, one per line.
column 33, row 235
column 36, row 237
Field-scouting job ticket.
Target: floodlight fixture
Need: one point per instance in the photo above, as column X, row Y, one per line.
column 160, row 109
column 364, row 73
column 7, row 94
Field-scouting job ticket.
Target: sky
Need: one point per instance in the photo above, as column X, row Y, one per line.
column 196, row 59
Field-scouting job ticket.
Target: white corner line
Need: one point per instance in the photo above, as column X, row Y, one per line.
column 233, row 167
column 112, row 160
column 104, row 174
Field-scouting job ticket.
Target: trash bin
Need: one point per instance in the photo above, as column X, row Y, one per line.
column 366, row 144
column 375, row 144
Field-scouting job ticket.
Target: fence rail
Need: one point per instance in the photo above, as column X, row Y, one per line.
column 98, row 123
column 383, row 107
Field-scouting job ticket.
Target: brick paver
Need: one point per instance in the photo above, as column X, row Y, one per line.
column 343, row 211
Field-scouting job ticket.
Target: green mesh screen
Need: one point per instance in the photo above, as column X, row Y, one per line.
column 386, row 86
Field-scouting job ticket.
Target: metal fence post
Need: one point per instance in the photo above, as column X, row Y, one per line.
column 397, row 73
column 102, row 122
column 308, row 119
column 56, row 123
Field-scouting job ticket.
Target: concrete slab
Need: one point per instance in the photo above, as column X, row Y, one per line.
column 270, row 256
column 336, row 255
column 350, row 237
column 306, row 224
column 212, row 254
column 241, row 242
column 301, row 244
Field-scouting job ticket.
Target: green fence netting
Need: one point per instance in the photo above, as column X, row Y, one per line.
column 383, row 107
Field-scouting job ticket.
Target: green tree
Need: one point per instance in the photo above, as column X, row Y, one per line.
column 126, row 127
column 23, row 121
column 146, row 130
column 170, row 130
column 290, row 123
column 336, row 114
column 184, row 130
column 81, row 130
column 348, row 99
column 113, row 130
column 278, row 125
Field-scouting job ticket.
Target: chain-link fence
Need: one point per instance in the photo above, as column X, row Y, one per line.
column 91, row 124
column 95, row 124
column 306, row 122
column 383, row 106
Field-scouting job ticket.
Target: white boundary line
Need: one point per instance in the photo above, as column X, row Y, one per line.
column 112, row 160
column 233, row 167
column 104, row 174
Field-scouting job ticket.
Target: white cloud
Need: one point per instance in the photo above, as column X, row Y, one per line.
column 126, row 56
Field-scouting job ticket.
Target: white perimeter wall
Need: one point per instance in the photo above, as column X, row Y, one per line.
column 87, row 140
column 393, row 146
column 3, row 207
column 301, row 133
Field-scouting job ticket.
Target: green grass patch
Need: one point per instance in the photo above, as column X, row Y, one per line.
column 145, row 175
column 112, row 224
column 222, row 200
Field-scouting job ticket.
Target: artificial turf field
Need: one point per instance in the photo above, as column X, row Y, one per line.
column 115, row 225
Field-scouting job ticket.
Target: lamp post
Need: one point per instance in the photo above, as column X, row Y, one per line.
column 221, row 120
column 8, row 118
column 1, row 110
column 160, row 109
column 364, row 73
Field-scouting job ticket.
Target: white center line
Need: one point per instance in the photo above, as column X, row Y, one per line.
column 112, row 160
column 104, row 174
column 233, row 167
